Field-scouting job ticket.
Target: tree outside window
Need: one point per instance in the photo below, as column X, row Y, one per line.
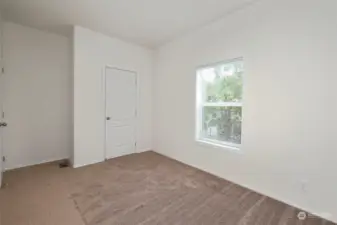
column 219, row 103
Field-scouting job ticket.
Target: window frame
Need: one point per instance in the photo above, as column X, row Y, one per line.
column 201, row 103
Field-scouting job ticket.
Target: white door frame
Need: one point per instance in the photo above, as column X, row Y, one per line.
column 105, row 103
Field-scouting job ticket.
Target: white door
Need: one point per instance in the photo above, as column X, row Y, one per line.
column 121, row 95
column 2, row 122
column 1, row 103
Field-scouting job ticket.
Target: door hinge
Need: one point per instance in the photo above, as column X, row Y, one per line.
column 3, row 158
column 3, row 69
column 3, row 115
column 135, row 144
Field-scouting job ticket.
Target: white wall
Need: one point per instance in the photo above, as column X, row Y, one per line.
column 92, row 52
column 37, row 96
column 289, row 114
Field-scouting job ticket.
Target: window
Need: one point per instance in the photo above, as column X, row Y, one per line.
column 219, row 103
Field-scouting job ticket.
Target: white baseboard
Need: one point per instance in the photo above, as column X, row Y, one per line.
column 34, row 163
column 99, row 161
column 144, row 150
column 78, row 165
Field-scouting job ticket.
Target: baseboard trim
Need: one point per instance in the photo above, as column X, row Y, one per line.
column 327, row 216
column 144, row 150
column 36, row 164
column 86, row 164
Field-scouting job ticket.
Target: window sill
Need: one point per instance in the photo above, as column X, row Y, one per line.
column 228, row 147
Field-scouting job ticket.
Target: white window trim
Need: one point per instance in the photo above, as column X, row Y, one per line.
column 219, row 145
column 200, row 103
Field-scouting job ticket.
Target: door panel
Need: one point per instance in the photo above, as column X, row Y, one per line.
column 1, row 101
column 1, row 121
column 121, row 94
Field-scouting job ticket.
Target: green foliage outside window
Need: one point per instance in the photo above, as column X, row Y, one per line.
column 226, row 119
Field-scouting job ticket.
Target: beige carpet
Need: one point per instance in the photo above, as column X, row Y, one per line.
column 142, row 189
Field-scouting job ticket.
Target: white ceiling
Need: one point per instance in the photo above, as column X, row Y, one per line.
column 146, row 22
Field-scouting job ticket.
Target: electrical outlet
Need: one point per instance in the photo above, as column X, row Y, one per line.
column 304, row 186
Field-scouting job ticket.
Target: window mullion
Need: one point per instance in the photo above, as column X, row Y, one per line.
column 221, row 104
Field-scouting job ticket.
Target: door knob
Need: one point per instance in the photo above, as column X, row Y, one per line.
column 3, row 124
column 108, row 118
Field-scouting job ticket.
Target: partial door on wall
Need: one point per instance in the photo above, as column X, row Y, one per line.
column 2, row 122
column 120, row 101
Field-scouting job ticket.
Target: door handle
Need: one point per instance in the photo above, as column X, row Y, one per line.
column 108, row 118
column 3, row 124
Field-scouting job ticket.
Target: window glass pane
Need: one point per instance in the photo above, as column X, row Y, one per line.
column 223, row 83
column 222, row 124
